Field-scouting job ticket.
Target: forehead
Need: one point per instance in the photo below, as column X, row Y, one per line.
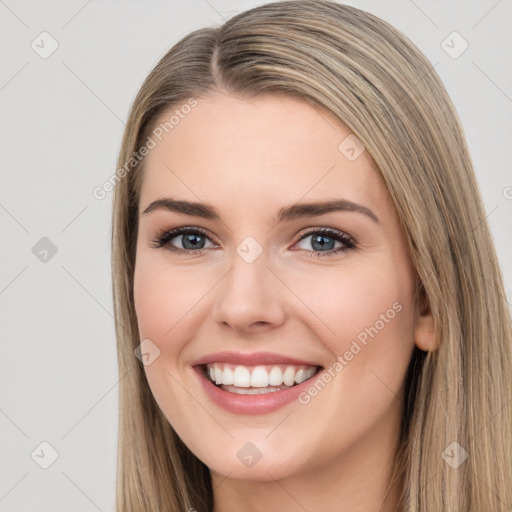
column 242, row 153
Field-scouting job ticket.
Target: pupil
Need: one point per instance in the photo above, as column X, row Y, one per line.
column 322, row 244
column 193, row 240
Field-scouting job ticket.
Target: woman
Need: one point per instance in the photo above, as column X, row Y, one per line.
column 303, row 270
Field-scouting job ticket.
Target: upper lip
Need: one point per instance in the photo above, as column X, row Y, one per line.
column 254, row 359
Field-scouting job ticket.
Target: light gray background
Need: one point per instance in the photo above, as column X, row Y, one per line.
column 61, row 125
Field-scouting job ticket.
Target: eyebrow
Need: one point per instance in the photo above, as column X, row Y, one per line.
column 288, row 213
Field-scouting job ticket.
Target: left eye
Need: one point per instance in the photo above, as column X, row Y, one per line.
column 323, row 242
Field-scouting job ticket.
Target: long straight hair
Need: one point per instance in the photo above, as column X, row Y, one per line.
column 374, row 80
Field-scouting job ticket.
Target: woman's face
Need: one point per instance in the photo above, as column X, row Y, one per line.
column 263, row 298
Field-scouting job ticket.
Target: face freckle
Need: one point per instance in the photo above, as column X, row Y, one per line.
column 255, row 285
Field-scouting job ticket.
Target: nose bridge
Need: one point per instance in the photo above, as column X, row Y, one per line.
column 249, row 269
column 248, row 294
column 249, row 277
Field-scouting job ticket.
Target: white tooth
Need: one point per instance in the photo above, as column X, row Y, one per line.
column 227, row 376
column 218, row 375
column 259, row 377
column 211, row 371
column 241, row 377
column 275, row 377
column 310, row 372
column 299, row 376
column 289, row 376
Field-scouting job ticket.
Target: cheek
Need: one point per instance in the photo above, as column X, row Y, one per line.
column 162, row 299
column 359, row 303
column 159, row 308
column 366, row 319
column 167, row 304
column 371, row 314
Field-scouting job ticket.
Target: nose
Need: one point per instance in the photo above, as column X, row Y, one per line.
column 249, row 298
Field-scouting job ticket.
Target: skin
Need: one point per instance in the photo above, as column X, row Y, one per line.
column 249, row 158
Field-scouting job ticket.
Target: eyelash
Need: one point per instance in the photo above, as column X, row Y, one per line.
column 165, row 236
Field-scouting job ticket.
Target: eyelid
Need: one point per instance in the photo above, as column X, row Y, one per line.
column 164, row 236
column 327, row 230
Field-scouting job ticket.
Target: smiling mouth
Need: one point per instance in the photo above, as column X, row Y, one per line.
column 257, row 380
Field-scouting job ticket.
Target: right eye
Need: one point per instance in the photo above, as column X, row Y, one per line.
column 193, row 239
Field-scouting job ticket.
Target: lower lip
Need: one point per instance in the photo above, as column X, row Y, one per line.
column 251, row 404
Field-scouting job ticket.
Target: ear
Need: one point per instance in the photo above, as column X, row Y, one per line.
column 424, row 324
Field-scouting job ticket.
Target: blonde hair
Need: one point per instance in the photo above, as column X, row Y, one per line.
column 375, row 81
